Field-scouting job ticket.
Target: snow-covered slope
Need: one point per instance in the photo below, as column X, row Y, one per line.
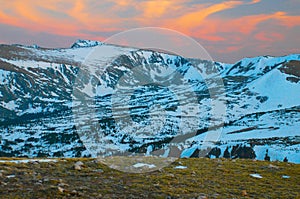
column 71, row 102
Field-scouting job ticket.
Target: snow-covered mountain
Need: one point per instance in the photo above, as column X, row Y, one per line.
column 101, row 99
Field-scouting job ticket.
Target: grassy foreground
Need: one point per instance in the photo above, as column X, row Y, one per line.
column 203, row 178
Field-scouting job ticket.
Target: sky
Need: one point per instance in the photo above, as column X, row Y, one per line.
column 229, row 30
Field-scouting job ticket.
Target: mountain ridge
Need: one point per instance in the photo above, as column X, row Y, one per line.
column 86, row 43
column 38, row 83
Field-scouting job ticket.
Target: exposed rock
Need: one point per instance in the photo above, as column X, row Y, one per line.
column 78, row 165
column 244, row 193
column 271, row 166
column 267, row 157
column 99, row 170
column 226, row 153
column 63, row 184
column 202, row 196
column 61, row 190
column 239, row 151
column 215, row 152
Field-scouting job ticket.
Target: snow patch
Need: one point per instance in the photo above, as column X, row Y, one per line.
column 139, row 165
column 11, row 105
column 256, row 175
column 28, row 161
column 180, row 167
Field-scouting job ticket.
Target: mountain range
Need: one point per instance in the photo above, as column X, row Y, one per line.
column 101, row 99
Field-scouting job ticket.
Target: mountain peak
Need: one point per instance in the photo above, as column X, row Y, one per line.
column 82, row 43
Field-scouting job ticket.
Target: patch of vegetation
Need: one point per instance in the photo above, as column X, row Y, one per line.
column 292, row 68
column 202, row 178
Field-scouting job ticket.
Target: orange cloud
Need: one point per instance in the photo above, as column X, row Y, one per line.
column 156, row 8
column 288, row 21
column 248, row 24
column 78, row 11
column 269, row 37
column 219, row 29
column 232, row 48
column 28, row 16
column 190, row 20
column 255, row 1
column 39, row 17
column 227, row 49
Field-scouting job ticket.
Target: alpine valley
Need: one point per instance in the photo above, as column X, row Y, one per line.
column 100, row 99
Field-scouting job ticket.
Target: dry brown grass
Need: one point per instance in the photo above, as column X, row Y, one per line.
column 211, row 178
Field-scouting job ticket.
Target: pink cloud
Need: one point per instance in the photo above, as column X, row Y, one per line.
column 269, row 36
